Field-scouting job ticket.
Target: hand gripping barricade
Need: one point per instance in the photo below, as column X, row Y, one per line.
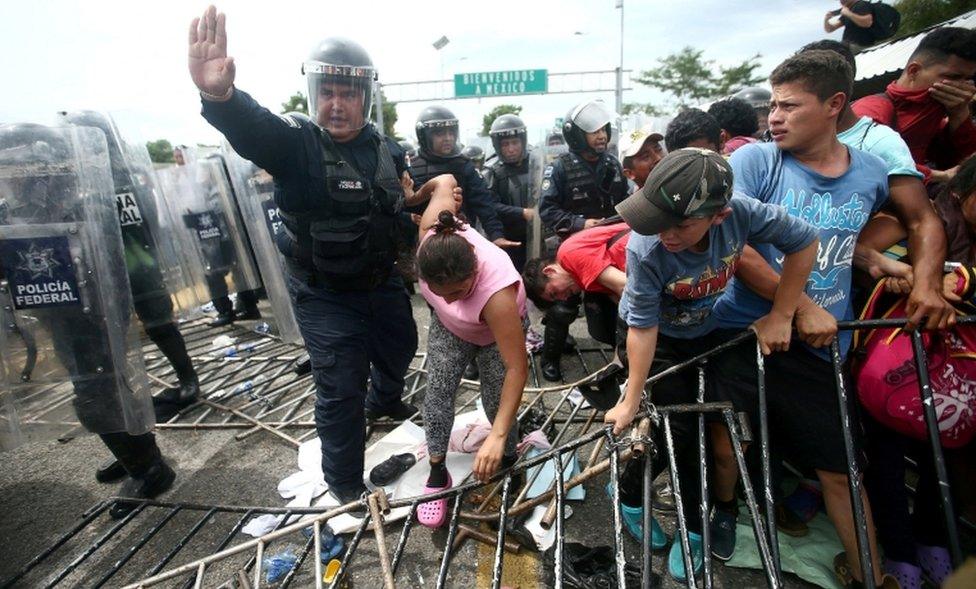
column 157, row 273
column 205, row 222
column 253, row 192
column 64, row 293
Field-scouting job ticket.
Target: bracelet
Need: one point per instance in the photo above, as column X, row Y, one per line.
column 215, row 98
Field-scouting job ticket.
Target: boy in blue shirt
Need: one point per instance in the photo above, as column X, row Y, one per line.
column 689, row 233
column 836, row 188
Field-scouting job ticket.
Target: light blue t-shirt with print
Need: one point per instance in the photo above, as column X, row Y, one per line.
column 676, row 290
column 838, row 207
column 884, row 142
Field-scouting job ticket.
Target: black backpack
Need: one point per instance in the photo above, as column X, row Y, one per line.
column 886, row 20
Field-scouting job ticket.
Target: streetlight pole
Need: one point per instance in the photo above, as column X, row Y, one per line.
column 619, row 94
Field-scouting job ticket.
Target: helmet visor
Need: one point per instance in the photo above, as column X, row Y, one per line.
column 440, row 137
column 592, row 116
column 340, row 98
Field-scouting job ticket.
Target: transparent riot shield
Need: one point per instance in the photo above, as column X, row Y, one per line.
column 161, row 285
column 201, row 209
column 254, row 193
column 535, row 240
column 69, row 352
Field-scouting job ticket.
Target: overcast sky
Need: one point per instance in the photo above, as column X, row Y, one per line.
column 129, row 57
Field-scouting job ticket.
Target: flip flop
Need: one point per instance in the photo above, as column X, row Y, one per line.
column 391, row 469
column 433, row 514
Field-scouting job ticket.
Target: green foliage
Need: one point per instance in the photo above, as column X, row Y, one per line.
column 501, row 109
column 160, row 151
column 917, row 15
column 689, row 78
column 296, row 103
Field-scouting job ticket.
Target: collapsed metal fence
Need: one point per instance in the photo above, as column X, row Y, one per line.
column 494, row 503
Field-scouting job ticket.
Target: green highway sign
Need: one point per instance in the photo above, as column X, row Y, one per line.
column 505, row 83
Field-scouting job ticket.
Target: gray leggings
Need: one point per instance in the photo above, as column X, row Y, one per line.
column 447, row 357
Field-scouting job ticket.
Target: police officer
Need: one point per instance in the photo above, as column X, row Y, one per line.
column 507, row 176
column 439, row 153
column 58, row 223
column 477, row 157
column 579, row 189
column 339, row 191
column 151, row 295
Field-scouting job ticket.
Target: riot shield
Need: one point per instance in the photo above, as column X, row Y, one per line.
column 535, row 240
column 160, row 283
column 66, row 341
column 204, row 218
column 254, row 193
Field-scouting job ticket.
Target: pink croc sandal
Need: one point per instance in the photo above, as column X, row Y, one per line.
column 433, row 514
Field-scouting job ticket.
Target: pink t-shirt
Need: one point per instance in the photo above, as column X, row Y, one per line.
column 495, row 272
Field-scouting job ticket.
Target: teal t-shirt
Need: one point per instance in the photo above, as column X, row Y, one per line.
column 884, row 142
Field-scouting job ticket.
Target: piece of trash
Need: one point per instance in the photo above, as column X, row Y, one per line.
column 263, row 328
column 332, row 545
column 331, row 571
column 277, row 566
column 223, row 341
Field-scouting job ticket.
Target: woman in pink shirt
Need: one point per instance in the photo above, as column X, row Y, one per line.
column 478, row 312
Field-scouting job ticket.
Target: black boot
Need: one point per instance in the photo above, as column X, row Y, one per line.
column 170, row 342
column 303, row 365
column 149, row 475
column 247, row 306
column 225, row 312
column 110, row 471
column 554, row 338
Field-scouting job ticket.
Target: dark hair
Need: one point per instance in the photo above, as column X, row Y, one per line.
column 735, row 116
column 446, row 257
column 689, row 125
column 627, row 162
column 535, row 280
column 837, row 47
column 964, row 182
column 822, row 72
column 941, row 43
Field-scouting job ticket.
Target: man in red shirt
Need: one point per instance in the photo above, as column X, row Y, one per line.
column 929, row 103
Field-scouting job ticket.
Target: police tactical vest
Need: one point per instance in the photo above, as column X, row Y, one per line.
column 584, row 195
column 424, row 167
column 354, row 234
column 511, row 183
column 145, row 276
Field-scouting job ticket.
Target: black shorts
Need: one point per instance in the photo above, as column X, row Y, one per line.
column 801, row 397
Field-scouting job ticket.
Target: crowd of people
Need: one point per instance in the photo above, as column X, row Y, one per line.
column 783, row 211
column 774, row 213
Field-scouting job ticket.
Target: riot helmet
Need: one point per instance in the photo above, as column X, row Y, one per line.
column 475, row 154
column 104, row 123
column 755, row 96
column 298, row 116
column 37, row 169
column 437, row 132
column 340, row 86
column 407, row 147
column 504, row 127
column 587, row 117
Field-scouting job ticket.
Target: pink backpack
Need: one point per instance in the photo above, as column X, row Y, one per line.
column 886, row 377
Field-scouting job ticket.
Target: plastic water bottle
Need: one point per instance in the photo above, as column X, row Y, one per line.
column 262, row 328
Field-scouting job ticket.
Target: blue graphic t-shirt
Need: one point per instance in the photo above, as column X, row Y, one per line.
column 837, row 207
column 676, row 291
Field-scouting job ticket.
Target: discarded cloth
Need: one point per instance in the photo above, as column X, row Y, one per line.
column 587, row 567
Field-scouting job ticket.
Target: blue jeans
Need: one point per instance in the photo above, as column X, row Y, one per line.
column 352, row 336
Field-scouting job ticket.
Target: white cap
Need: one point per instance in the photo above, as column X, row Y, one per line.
column 632, row 142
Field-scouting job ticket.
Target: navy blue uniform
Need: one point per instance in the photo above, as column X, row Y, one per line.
column 358, row 325
column 574, row 190
column 478, row 203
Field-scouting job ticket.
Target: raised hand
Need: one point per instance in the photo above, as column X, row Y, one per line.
column 210, row 68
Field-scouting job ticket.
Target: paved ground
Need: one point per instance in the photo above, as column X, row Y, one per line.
column 45, row 487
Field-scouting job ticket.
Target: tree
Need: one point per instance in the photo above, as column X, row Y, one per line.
column 501, row 109
column 688, row 77
column 648, row 109
column 160, row 151
column 917, row 15
column 296, row 103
